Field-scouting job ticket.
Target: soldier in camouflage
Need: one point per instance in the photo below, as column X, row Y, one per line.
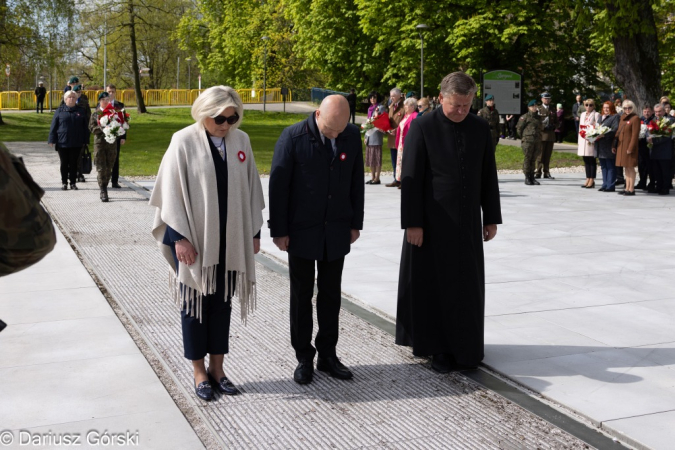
column 529, row 130
column 105, row 152
column 26, row 230
column 549, row 119
column 490, row 113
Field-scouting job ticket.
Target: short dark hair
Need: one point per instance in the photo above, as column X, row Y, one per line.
column 111, row 86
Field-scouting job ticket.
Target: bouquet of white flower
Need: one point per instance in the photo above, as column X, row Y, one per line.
column 113, row 123
column 593, row 133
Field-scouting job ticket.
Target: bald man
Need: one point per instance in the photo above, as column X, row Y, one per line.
column 316, row 212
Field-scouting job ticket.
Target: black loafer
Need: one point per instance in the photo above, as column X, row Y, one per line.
column 304, row 372
column 203, row 390
column 369, row 182
column 602, row 189
column 334, row 367
column 224, row 386
column 610, row 190
column 441, row 363
column 376, row 182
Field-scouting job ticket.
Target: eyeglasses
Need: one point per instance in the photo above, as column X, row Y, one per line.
column 627, row 108
column 219, row 120
column 589, row 104
column 420, row 106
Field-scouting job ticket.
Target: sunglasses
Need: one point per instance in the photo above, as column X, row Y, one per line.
column 219, row 120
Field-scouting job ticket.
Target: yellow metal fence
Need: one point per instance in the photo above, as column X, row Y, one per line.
column 151, row 97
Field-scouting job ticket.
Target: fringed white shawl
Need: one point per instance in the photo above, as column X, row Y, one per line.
column 186, row 197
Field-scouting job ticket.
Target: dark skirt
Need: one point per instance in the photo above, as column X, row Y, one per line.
column 373, row 155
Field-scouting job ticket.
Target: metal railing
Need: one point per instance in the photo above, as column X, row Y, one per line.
column 152, row 97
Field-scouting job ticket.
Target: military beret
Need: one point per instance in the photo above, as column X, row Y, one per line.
column 489, row 97
column 77, row 88
column 103, row 95
column 545, row 95
column 532, row 103
column 74, row 80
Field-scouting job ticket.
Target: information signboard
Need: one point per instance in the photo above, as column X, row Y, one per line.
column 506, row 87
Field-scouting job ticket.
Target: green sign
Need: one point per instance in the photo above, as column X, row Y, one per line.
column 502, row 75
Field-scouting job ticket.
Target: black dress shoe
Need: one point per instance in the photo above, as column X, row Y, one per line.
column 441, row 363
column 548, row 175
column 304, row 372
column 73, row 186
column 602, row 189
column 591, row 186
column 116, row 186
column 610, row 189
column 629, row 193
column 376, row 182
column 333, row 366
column 224, row 386
column 64, row 187
column 204, row 391
column 369, row 182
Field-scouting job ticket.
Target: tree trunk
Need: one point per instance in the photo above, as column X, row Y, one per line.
column 134, row 59
column 636, row 59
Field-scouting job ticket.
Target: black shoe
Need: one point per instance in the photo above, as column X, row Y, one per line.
column 629, row 193
column 528, row 181
column 203, row 390
column 535, row 182
column 621, row 192
column 376, row 182
column 602, row 189
column 64, row 187
column 333, row 365
column 304, row 372
column 369, row 182
column 116, row 186
column 441, row 363
column 73, row 186
column 610, row 189
column 224, row 386
column 537, row 175
column 664, row 193
column 548, row 175
column 104, row 195
column 80, row 179
column 592, row 186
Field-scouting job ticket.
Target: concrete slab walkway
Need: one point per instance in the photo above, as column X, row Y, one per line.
column 69, row 368
column 395, row 401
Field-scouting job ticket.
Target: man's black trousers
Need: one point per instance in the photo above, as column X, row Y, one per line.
column 328, row 280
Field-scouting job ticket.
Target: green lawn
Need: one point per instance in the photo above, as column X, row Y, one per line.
column 150, row 135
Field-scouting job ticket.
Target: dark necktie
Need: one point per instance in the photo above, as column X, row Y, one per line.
column 328, row 146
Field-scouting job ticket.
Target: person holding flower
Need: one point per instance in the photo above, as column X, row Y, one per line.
column 661, row 153
column 589, row 118
column 625, row 145
column 105, row 151
column 374, row 138
column 603, row 145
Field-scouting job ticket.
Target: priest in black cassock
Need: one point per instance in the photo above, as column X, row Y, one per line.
column 449, row 177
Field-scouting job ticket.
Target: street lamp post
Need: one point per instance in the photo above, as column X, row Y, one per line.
column 105, row 52
column 178, row 73
column 265, row 39
column 421, row 27
column 188, row 59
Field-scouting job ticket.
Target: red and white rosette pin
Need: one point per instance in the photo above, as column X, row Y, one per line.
column 343, row 156
column 242, row 156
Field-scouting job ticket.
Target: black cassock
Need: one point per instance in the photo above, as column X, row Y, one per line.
column 448, row 176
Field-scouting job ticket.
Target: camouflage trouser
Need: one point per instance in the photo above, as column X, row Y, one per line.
column 105, row 160
column 495, row 137
column 530, row 151
column 544, row 158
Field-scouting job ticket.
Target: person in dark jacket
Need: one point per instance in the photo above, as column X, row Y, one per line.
column 660, row 156
column 40, row 93
column 316, row 196
column 351, row 99
column 609, row 118
column 68, row 133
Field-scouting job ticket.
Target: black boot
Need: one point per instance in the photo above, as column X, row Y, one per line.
column 535, row 182
column 528, row 181
column 104, row 194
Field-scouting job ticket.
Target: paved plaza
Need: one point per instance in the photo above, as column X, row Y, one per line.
column 579, row 310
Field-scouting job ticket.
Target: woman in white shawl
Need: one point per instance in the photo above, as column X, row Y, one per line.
column 209, row 213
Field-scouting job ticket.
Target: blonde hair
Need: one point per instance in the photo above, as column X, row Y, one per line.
column 213, row 101
column 628, row 103
column 69, row 93
column 410, row 101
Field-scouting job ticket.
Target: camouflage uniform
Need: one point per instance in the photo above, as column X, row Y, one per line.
column 105, row 152
column 26, row 230
column 547, row 139
column 529, row 129
column 492, row 116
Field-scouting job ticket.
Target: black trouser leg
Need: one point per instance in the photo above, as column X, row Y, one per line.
column 591, row 166
column 301, row 273
column 114, row 177
column 643, row 164
column 212, row 334
column 329, row 282
column 68, row 157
